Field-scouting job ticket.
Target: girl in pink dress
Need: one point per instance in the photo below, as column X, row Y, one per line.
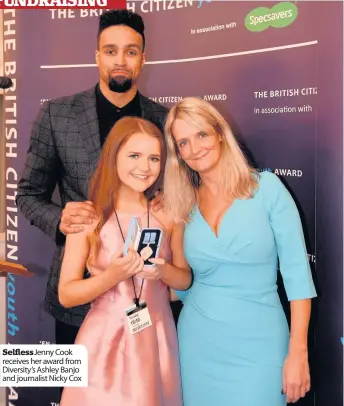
column 126, row 367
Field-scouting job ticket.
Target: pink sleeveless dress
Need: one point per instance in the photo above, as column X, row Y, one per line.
column 125, row 369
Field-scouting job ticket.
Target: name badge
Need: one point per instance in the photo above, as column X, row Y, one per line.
column 138, row 318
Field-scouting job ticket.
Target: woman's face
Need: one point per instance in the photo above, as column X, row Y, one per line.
column 139, row 162
column 201, row 150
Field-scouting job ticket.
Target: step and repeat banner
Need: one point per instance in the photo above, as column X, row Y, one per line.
column 274, row 69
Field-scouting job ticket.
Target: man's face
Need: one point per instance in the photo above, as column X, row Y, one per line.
column 120, row 57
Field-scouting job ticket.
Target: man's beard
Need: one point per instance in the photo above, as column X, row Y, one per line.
column 120, row 84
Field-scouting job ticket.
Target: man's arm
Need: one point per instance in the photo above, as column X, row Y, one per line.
column 40, row 177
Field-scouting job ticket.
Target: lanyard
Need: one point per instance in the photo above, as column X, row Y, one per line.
column 136, row 299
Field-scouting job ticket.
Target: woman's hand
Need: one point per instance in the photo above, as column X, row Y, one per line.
column 157, row 202
column 296, row 377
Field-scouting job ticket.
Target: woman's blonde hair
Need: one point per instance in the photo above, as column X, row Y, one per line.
column 181, row 182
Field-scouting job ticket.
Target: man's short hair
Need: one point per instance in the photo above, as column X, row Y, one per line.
column 121, row 17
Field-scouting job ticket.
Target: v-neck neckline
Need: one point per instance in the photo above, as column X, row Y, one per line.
column 223, row 217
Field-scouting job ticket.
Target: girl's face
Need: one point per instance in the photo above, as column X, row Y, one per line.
column 139, row 162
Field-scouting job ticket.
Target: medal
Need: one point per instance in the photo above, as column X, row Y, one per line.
column 146, row 252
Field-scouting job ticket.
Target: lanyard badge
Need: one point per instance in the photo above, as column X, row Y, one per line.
column 138, row 317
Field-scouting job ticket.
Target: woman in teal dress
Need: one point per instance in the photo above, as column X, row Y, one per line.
column 235, row 345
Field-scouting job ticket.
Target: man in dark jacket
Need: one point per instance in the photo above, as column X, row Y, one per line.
column 66, row 141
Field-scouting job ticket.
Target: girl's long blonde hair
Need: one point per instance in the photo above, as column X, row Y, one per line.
column 181, row 182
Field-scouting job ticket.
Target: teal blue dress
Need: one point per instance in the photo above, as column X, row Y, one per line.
column 233, row 333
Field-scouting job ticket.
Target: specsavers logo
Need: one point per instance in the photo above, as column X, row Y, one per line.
column 279, row 16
